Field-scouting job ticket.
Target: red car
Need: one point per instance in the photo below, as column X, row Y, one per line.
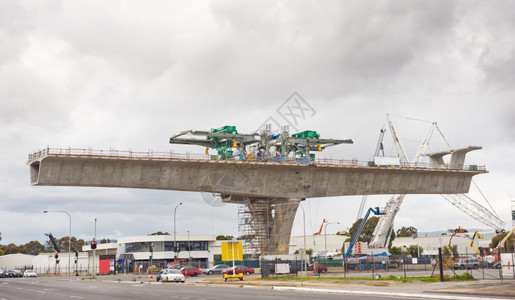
column 320, row 268
column 239, row 269
column 190, row 271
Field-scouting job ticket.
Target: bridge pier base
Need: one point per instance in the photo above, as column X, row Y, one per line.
column 266, row 223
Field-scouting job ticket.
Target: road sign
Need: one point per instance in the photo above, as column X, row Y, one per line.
column 232, row 251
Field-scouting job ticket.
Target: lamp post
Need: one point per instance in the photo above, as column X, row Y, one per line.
column 325, row 234
column 69, row 235
column 174, row 231
column 189, row 249
column 94, row 250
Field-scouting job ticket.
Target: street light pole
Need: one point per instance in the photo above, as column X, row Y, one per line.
column 95, row 250
column 69, row 235
column 189, row 249
column 305, row 250
column 174, row 231
column 325, row 234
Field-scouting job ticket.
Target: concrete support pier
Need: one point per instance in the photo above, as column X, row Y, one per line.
column 268, row 222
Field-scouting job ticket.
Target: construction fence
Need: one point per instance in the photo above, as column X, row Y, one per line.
column 500, row 268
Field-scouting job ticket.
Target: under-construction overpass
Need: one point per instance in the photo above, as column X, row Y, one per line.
column 272, row 184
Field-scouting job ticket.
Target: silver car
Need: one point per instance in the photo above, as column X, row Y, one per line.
column 466, row 263
column 218, row 269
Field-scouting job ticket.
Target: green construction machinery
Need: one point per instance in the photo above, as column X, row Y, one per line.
column 263, row 145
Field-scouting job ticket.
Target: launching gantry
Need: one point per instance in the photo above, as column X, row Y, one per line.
column 273, row 172
column 264, row 146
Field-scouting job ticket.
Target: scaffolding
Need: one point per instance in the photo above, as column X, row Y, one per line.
column 255, row 224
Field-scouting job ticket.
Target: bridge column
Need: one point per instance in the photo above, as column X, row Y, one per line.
column 265, row 223
column 285, row 210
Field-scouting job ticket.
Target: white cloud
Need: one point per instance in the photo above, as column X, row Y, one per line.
column 128, row 75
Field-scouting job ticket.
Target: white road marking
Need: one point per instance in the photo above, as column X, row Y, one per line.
column 392, row 294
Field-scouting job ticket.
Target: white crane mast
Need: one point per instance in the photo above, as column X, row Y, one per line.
column 380, row 237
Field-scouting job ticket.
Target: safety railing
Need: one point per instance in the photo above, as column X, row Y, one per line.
column 171, row 155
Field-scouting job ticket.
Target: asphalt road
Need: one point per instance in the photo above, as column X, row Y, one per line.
column 71, row 288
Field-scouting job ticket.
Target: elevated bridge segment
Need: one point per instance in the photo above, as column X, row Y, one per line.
column 280, row 183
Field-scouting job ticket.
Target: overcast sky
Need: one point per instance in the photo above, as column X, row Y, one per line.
column 129, row 74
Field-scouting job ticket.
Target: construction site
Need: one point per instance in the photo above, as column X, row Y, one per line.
column 268, row 174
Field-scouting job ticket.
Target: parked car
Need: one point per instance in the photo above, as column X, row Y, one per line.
column 466, row 263
column 239, row 269
column 2, row 273
column 191, row 271
column 30, row 273
column 319, row 269
column 172, row 275
column 176, row 266
column 13, row 273
column 160, row 275
column 497, row 265
column 216, row 269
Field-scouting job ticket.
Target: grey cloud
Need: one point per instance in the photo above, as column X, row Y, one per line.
column 127, row 76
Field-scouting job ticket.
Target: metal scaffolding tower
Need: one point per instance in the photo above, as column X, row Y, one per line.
column 255, row 222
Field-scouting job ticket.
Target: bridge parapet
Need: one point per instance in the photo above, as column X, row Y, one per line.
column 172, row 155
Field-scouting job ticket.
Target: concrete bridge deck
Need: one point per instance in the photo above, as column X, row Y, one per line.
column 252, row 178
column 276, row 188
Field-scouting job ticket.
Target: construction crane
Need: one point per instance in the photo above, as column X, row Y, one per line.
column 379, row 148
column 476, row 234
column 381, row 235
column 448, row 246
column 464, row 202
column 376, row 211
column 476, row 211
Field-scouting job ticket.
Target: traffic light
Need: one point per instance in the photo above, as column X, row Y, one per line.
column 93, row 244
column 56, row 255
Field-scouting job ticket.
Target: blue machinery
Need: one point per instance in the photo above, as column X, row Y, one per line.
column 376, row 211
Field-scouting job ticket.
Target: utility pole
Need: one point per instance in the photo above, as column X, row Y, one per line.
column 94, row 250
column 189, row 249
column 175, row 248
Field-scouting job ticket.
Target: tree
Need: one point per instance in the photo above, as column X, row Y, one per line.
column 308, row 252
column 160, row 233
column 366, row 232
column 343, row 232
column 10, row 249
column 508, row 245
column 62, row 244
column 395, row 250
column 414, row 250
column 34, row 247
column 454, row 254
column 407, row 231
